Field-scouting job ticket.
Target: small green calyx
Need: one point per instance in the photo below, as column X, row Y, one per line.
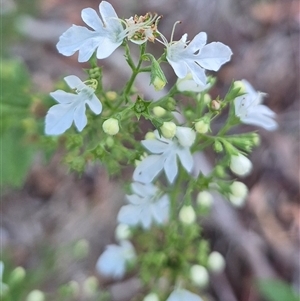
column 140, row 106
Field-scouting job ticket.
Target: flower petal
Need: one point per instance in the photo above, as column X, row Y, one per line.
column 182, row 294
column 186, row 158
column 95, row 104
column 91, row 18
column 58, row 119
column 63, row 97
column 80, row 119
column 110, row 17
column 214, row 55
column 148, row 169
column 144, row 190
column 197, row 43
column 106, row 48
column 170, row 166
column 156, row 146
column 73, row 39
column 74, row 82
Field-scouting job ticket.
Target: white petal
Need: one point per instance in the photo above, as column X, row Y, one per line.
column 183, row 295
column 186, row 136
column 160, row 209
column 74, row 82
column 197, row 43
column 155, row 146
column 110, row 18
column 261, row 120
column 144, row 190
column 111, row 263
column 214, row 55
column 197, row 72
column 170, row 167
column 95, row 104
column 148, row 169
column 186, row 159
column 91, row 18
column 73, row 39
column 63, row 97
column 88, row 47
column 179, row 67
column 80, row 119
column 129, row 215
column 58, row 119
column 106, row 48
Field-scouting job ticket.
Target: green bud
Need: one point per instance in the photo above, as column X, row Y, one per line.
column 17, row 276
column 218, row 147
column 90, row 286
column 110, row 142
column 255, row 139
column 151, row 297
column 168, row 129
column 220, row 171
column 111, row 95
column 201, row 126
column 206, row 99
column 81, row 249
column 159, row 111
column 204, row 199
column 187, row 215
column 111, row 126
column 140, row 105
column 36, row 295
column 239, row 85
column 171, row 104
column 150, row 135
column 199, row 275
column 216, row 262
column 158, row 79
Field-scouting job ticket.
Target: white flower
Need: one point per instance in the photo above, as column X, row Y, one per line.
column 113, row 261
column 107, row 35
column 71, row 107
column 240, row 165
column 164, row 156
column 194, row 57
column 147, row 205
column 183, row 295
column 249, row 109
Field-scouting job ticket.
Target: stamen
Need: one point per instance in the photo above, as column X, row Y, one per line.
column 172, row 34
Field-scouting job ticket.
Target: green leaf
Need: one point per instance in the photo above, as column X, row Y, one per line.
column 276, row 290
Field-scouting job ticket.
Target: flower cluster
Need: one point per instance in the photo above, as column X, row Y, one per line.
column 170, row 150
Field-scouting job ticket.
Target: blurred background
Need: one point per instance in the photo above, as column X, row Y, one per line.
column 56, row 224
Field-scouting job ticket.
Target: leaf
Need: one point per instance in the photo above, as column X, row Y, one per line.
column 276, row 290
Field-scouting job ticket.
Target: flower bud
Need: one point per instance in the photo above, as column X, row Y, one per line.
column 188, row 84
column 36, row 295
column 111, row 95
column 215, row 105
column 168, row 129
column 111, row 126
column 206, row 99
column 158, row 79
column 204, row 199
column 171, row 104
column 239, row 85
column 151, row 297
column 199, row 275
column 122, row 232
column 218, row 147
column 150, row 135
column 187, row 215
column 201, row 126
column 240, row 165
column 17, row 276
column 90, row 286
column 159, row 111
column 216, row 262
column 109, row 142
column 239, row 192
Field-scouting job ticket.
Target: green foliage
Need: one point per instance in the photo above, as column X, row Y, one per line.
column 276, row 290
column 16, row 151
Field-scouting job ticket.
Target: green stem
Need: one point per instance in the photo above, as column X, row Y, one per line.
column 135, row 70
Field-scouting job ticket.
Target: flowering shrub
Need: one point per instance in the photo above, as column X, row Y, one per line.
column 166, row 198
